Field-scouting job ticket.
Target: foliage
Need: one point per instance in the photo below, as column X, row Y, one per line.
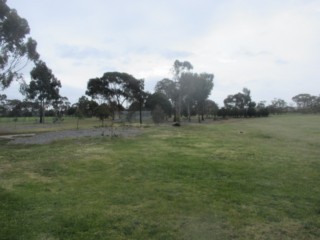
column 60, row 107
column 179, row 68
column 3, row 99
column 158, row 115
column 238, row 104
column 168, row 88
column 241, row 105
column 44, row 86
column 15, row 48
column 102, row 112
column 86, row 107
column 278, row 106
column 204, row 85
column 187, row 89
column 262, row 110
column 158, row 99
column 307, row 103
column 17, row 108
column 211, row 108
column 115, row 88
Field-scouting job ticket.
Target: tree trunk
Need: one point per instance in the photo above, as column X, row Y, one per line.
column 202, row 112
column 175, row 114
column 140, row 110
column 40, row 121
column 189, row 114
column 41, row 112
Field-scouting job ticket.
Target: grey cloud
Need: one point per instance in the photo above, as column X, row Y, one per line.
column 175, row 54
column 281, row 61
column 165, row 53
column 82, row 52
column 249, row 53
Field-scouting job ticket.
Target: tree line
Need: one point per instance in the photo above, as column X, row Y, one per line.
column 114, row 92
column 184, row 96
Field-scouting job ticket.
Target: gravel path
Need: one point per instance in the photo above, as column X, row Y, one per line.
column 44, row 138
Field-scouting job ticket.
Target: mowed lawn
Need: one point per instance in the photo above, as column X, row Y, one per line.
column 234, row 179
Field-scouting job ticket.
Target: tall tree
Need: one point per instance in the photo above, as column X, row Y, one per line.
column 15, row 48
column 60, row 106
column 304, row 101
column 178, row 69
column 86, row 107
column 262, row 110
column 239, row 104
column 278, row 106
column 160, row 100
column 3, row 100
column 44, row 86
column 203, row 89
column 136, row 93
column 211, row 108
column 188, row 90
column 115, row 88
column 169, row 88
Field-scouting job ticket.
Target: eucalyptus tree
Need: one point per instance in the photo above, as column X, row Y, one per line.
column 61, row 106
column 188, row 90
column 136, row 93
column 194, row 90
column 211, row 108
column 86, row 107
column 43, row 87
column 116, row 88
column 305, row 102
column 262, row 110
column 278, row 106
column 169, row 88
column 16, row 50
column 239, row 104
column 204, row 87
column 178, row 69
column 3, row 101
column 159, row 100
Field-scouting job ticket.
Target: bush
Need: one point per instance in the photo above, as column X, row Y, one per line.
column 158, row 115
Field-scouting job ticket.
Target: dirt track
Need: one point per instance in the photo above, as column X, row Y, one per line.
column 44, row 138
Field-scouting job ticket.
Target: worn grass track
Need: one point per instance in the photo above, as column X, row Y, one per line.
column 234, row 179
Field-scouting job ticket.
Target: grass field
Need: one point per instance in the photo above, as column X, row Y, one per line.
column 234, row 179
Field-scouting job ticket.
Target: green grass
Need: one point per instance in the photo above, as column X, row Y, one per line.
column 234, row 179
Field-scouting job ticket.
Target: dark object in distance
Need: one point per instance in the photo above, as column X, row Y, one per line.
column 176, row 124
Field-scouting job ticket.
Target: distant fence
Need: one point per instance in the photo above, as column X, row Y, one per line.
column 134, row 116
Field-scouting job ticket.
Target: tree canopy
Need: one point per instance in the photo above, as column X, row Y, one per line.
column 187, row 89
column 115, row 88
column 167, row 87
column 240, row 104
column 44, row 86
column 159, row 99
column 15, row 48
column 194, row 91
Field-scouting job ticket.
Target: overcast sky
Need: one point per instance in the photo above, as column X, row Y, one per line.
column 271, row 47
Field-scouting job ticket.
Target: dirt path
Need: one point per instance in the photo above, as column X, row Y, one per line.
column 44, row 138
